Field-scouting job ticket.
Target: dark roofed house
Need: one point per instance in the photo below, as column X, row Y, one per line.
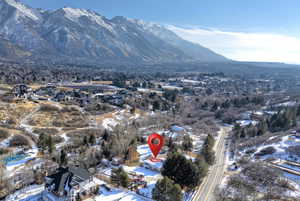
column 21, row 90
column 66, row 184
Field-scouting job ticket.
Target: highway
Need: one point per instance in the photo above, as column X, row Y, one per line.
column 206, row 190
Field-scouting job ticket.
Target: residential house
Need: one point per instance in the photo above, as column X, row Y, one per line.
column 21, row 91
column 48, row 91
column 67, row 184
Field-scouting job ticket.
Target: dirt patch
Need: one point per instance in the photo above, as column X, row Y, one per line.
column 102, row 82
column 100, row 118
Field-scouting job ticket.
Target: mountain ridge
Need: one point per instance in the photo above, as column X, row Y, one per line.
column 79, row 34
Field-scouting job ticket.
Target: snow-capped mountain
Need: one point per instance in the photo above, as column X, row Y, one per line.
column 74, row 34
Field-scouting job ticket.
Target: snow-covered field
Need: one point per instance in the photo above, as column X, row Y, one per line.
column 109, row 123
column 147, row 191
column 281, row 155
column 281, row 149
column 147, row 173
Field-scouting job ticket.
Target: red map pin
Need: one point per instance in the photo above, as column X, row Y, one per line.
column 155, row 142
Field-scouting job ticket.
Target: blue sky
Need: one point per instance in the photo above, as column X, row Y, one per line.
column 239, row 29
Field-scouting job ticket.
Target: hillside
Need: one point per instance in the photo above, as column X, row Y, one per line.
column 11, row 51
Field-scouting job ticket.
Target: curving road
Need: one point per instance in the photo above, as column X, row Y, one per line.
column 216, row 173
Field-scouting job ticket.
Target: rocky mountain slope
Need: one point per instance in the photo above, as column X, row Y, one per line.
column 77, row 34
column 11, row 51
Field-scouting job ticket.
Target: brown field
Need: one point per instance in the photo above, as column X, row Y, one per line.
column 102, row 82
column 5, row 87
column 35, row 86
column 15, row 111
column 100, row 118
column 52, row 116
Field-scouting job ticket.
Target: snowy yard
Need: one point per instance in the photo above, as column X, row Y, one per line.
column 117, row 194
column 142, row 171
column 144, row 151
column 30, row 193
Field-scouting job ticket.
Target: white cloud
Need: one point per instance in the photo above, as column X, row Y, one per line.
column 245, row 46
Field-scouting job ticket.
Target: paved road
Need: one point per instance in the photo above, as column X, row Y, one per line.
column 216, row 173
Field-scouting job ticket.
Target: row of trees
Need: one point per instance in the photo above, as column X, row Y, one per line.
column 283, row 120
column 45, row 142
column 235, row 102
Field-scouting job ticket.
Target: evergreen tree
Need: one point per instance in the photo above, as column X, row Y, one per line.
column 171, row 95
column 166, row 190
column 204, row 106
column 237, row 131
column 156, row 105
column 136, row 85
column 283, row 120
column 106, row 147
column 225, row 104
column 202, row 166
column 209, row 155
column 298, row 110
column 85, row 140
column 209, row 91
column 124, row 179
column 144, row 85
column 42, row 142
column 119, row 83
column 207, row 150
column 214, row 107
column 187, row 143
column 119, row 177
column 262, row 127
column 63, row 158
column 181, row 170
column 243, row 133
column 105, row 135
column 172, row 146
column 50, row 144
column 209, row 141
column 92, row 139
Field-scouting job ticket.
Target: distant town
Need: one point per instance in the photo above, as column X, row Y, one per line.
column 225, row 137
